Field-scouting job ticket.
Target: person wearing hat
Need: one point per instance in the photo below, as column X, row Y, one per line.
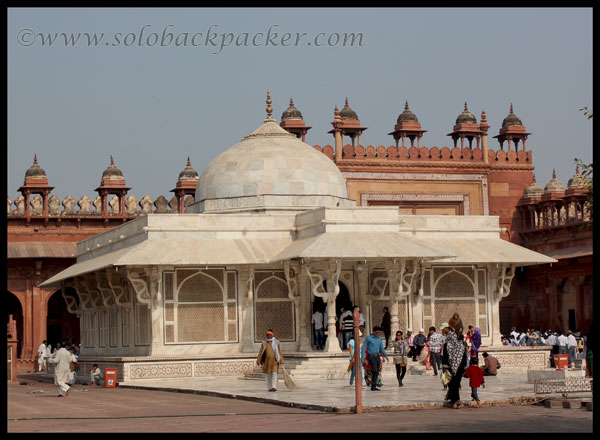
column 270, row 357
column 409, row 340
column 419, row 342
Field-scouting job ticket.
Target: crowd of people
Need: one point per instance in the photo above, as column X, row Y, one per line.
column 449, row 351
column 567, row 342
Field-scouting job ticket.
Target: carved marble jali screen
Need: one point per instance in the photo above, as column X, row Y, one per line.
column 273, row 307
column 379, row 294
column 458, row 289
column 200, row 305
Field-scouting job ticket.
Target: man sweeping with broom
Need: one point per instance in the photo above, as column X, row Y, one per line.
column 270, row 357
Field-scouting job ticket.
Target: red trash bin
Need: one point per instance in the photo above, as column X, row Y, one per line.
column 561, row 361
column 110, row 377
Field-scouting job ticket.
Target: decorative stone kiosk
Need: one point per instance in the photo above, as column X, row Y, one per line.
column 272, row 231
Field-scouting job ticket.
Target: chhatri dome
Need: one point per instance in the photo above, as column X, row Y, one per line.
column 554, row 186
column 407, row 115
column 112, row 172
column 533, row 190
column 577, row 181
column 347, row 112
column 466, row 117
column 511, row 119
column 35, row 170
column 270, row 168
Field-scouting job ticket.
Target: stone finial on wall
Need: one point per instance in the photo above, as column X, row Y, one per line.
column 131, row 205
column 85, row 205
column 53, row 205
column 98, row 205
column 37, row 205
column 161, row 204
column 69, row 205
column 114, row 205
column 146, row 205
column 20, row 204
column 8, row 210
column 173, row 204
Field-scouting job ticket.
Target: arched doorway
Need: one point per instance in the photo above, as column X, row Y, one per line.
column 14, row 308
column 61, row 324
column 342, row 300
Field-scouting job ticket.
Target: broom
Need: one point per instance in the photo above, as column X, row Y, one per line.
column 287, row 379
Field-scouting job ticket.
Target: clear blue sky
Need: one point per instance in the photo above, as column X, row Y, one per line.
column 151, row 107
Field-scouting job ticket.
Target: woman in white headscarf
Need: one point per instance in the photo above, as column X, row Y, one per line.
column 270, row 357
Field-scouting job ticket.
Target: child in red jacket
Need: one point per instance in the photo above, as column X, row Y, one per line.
column 476, row 379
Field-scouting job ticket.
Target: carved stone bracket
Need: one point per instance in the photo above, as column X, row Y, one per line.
column 85, row 299
column 105, row 291
column 95, row 295
column 120, row 290
column 332, row 275
column 140, row 286
column 292, row 270
column 399, row 278
column 72, row 305
column 503, row 279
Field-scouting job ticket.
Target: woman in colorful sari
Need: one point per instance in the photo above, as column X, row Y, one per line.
column 475, row 342
column 454, row 358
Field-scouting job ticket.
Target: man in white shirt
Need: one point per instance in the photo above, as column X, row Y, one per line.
column 41, row 356
column 62, row 371
column 562, row 344
column 552, row 341
column 514, row 335
column 571, row 348
column 318, row 322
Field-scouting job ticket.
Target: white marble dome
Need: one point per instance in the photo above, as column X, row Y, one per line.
column 271, row 162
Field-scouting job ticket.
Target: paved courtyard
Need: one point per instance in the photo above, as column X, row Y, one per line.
column 335, row 394
column 35, row 408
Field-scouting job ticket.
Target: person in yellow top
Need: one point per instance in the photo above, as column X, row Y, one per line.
column 270, row 357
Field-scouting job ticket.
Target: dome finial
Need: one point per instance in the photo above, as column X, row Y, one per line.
column 35, row 162
column 406, row 105
column 577, row 169
column 269, row 109
column 554, row 173
column 511, row 108
column 534, row 181
column 347, row 105
column 189, row 164
column 291, row 102
column 466, row 108
column 112, row 161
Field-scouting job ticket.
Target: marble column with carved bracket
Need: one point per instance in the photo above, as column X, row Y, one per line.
column 399, row 281
column 157, row 314
column 332, row 269
column 304, row 343
column 362, row 277
column 499, row 280
column 246, row 288
column 140, row 281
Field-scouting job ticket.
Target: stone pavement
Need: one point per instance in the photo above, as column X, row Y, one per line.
column 35, row 408
column 335, row 395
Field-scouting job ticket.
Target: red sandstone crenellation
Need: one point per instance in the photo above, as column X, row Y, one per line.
column 370, row 152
